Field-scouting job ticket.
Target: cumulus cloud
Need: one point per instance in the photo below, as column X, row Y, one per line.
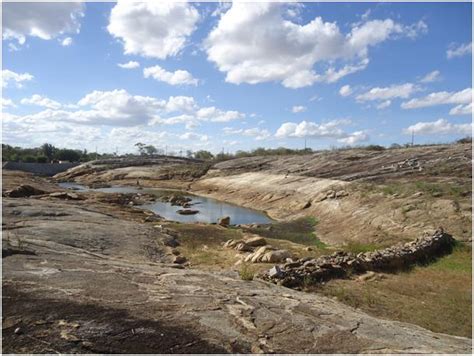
column 439, row 127
column 194, row 136
column 431, row 77
column 459, row 50
column 298, row 108
column 129, row 65
column 6, row 103
column 461, row 110
column 440, row 98
column 40, row 19
column 386, row 93
column 243, row 47
column 66, row 42
column 311, row 129
column 384, row 104
column 345, row 90
column 9, row 76
column 257, row 132
column 354, row 137
column 178, row 77
column 41, row 101
column 157, row 29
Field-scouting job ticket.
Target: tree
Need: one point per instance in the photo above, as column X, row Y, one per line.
column 68, row 155
column 141, row 148
column 150, row 150
column 48, row 150
column 205, row 155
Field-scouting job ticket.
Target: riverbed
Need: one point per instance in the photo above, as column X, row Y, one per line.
column 210, row 210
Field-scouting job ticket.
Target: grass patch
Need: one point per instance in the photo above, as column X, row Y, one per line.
column 246, row 272
column 299, row 231
column 358, row 247
column 436, row 296
column 453, row 189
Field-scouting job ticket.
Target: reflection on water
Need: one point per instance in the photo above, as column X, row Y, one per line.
column 210, row 210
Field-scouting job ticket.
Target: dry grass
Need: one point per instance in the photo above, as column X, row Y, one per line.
column 437, row 297
column 202, row 246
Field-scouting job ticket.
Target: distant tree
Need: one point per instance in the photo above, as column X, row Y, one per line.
column 141, row 148
column 42, row 159
column 205, row 155
column 29, row 159
column 68, row 155
column 189, row 154
column 465, row 140
column 395, row 146
column 48, row 150
column 150, row 150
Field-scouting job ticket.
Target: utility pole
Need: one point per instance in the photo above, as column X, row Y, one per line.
column 305, row 143
column 412, row 138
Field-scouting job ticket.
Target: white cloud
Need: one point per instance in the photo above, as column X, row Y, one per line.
column 431, row 77
column 461, row 110
column 7, row 103
column 391, row 92
column 9, row 76
column 43, row 20
column 345, row 90
column 179, row 77
column 439, row 127
column 384, row 104
column 194, row 136
column 129, row 65
column 329, row 129
column 459, row 50
column 214, row 114
column 181, row 103
column 41, row 101
column 243, row 47
column 298, row 108
column 440, row 98
column 156, row 29
column 66, row 42
column 258, row 133
column 354, row 137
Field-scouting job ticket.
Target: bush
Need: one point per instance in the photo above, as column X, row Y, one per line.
column 465, row 140
column 374, row 148
column 29, row 159
column 246, row 272
column 42, row 159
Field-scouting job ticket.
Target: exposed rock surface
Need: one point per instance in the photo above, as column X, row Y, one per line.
column 340, row 264
column 22, row 191
column 85, row 276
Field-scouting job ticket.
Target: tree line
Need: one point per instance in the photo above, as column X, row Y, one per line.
column 46, row 153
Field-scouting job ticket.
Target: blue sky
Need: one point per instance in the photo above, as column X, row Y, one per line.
column 235, row 76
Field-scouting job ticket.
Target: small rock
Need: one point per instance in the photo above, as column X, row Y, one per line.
column 18, row 331
column 170, row 241
column 179, row 260
column 308, row 249
column 225, row 221
column 275, row 272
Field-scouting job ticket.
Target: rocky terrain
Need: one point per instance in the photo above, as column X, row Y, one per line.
column 89, row 272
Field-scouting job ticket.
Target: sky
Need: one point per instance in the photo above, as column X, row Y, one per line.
column 235, row 76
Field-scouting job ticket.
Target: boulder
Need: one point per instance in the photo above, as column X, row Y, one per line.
column 179, row 260
column 225, row 221
column 243, row 247
column 170, row 241
column 255, row 241
column 24, row 190
column 275, row 271
column 187, row 211
column 276, row 256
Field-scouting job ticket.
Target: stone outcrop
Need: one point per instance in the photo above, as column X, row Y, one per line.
column 22, row 191
column 341, row 264
column 260, row 252
column 225, row 221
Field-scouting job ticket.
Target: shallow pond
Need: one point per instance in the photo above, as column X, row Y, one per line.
column 210, row 210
